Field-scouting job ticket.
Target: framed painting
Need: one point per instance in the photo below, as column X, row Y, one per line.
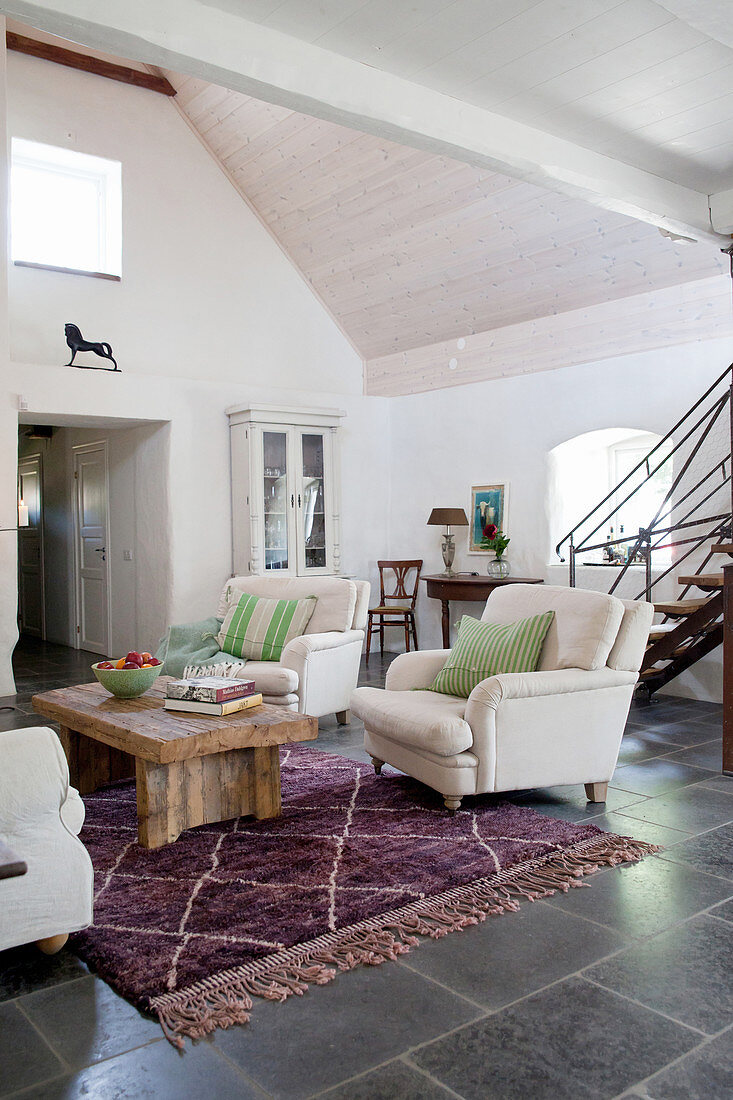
column 488, row 505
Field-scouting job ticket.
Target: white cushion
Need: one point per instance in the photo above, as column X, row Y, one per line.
column 633, row 635
column 422, row 719
column 584, row 627
column 336, row 597
column 271, row 678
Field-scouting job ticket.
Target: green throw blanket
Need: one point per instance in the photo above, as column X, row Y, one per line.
column 190, row 644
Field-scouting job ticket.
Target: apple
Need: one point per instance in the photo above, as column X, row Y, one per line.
column 155, row 661
column 131, row 664
column 134, row 657
column 105, row 664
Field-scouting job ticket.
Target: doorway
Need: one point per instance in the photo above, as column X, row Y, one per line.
column 31, row 594
column 91, row 546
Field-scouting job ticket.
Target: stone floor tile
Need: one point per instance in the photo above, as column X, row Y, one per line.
column 153, row 1072
column 618, row 822
column 25, row 1058
column 335, row 1032
column 706, row 1073
column 570, row 803
column 694, row 809
column 720, row 783
column 724, row 911
column 635, row 747
column 574, row 1040
column 26, row 969
column 88, row 1021
column 679, row 734
column 663, row 774
column 507, row 957
column 683, row 972
column 708, row 755
column 644, row 898
column 710, row 852
column 395, row 1081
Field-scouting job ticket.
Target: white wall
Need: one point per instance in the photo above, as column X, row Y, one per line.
column 503, row 431
column 209, row 313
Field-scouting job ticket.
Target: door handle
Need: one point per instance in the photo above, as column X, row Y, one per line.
column 299, row 500
column 292, row 500
column 101, row 550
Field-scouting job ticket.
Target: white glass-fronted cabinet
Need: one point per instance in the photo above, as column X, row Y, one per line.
column 285, row 490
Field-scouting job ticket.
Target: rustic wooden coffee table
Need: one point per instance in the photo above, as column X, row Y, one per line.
column 190, row 769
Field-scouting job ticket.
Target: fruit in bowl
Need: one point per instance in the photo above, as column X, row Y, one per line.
column 130, row 676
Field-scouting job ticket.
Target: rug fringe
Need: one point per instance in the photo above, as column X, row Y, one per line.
column 226, row 998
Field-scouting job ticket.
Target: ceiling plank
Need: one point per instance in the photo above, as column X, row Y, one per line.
column 247, row 57
column 88, row 64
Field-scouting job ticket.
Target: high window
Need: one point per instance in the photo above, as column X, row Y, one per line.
column 66, row 209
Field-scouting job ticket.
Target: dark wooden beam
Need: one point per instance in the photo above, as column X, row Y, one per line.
column 47, row 51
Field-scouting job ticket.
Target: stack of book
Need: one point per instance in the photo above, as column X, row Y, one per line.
column 211, row 695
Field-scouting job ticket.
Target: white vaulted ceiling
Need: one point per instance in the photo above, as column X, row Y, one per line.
column 407, row 249
column 649, row 83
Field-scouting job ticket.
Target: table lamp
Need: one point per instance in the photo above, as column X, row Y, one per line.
column 455, row 517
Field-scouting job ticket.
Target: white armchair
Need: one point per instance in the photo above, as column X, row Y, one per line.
column 40, row 818
column 559, row 725
column 318, row 671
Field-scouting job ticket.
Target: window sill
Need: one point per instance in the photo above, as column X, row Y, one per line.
column 69, row 270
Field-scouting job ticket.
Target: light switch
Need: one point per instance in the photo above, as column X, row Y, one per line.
column 127, row 555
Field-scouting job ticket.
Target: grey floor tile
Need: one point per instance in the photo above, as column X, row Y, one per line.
column 25, row 1058
column 694, row 809
column 707, row 756
column 395, row 1081
column 681, row 734
column 644, row 898
column 704, row 1074
column 573, row 1040
column 724, row 911
column 618, row 822
column 25, row 969
column 663, row 774
column 635, row 748
column 571, row 804
column 507, row 957
column 363, row 1018
column 154, row 1072
column 720, row 783
column 88, row 1021
column 684, row 973
column 710, row 852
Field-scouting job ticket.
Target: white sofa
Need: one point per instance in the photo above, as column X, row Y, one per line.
column 40, row 818
column 559, row 725
column 317, row 672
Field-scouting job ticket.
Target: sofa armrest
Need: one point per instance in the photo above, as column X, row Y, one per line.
column 302, row 647
column 526, row 685
column 415, row 670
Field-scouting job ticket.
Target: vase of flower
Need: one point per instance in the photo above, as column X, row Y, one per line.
column 498, row 567
column 496, row 540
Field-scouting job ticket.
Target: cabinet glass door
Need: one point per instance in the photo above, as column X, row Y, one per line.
column 275, row 476
column 313, row 501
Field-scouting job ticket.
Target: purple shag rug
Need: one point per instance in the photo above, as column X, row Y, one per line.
column 355, row 869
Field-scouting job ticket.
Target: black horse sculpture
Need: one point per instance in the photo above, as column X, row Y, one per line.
column 76, row 342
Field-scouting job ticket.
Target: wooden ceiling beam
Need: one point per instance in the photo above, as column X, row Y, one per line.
column 47, row 51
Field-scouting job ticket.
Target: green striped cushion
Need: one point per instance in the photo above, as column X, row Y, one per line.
column 257, row 627
column 487, row 649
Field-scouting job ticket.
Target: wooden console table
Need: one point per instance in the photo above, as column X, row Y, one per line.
column 472, row 589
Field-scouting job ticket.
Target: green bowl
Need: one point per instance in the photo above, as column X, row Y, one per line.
column 127, row 683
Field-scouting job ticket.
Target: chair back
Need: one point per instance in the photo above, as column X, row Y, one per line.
column 401, row 590
column 584, row 628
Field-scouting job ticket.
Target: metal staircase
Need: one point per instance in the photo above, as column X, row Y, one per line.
column 686, row 542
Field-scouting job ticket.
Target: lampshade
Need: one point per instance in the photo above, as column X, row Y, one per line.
column 448, row 517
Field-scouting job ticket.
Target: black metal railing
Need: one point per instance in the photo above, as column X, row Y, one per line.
column 658, row 535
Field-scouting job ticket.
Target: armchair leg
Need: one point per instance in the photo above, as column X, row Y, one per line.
column 369, row 639
column 452, row 804
column 51, row 944
column 596, row 792
column 378, row 765
column 343, row 717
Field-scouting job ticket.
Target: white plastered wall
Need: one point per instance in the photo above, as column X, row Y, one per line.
column 209, row 313
column 503, row 431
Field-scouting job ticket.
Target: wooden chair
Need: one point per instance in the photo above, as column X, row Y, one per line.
column 402, row 614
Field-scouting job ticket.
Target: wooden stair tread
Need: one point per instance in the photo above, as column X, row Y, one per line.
column 679, row 607
column 723, row 548
column 703, row 580
column 658, row 630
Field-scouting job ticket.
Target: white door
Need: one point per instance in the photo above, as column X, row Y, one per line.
column 91, row 528
column 30, row 549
